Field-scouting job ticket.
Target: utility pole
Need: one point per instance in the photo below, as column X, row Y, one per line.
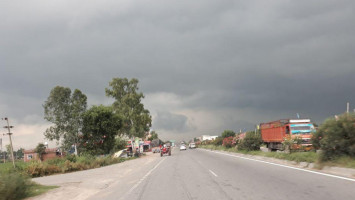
column 3, row 153
column 347, row 107
column 9, row 133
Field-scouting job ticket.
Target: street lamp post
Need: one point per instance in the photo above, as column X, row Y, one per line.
column 9, row 133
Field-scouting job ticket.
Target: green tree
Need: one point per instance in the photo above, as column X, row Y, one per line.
column 120, row 144
column 228, row 133
column 40, row 150
column 65, row 110
column 154, row 136
column 336, row 137
column 251, row 142
column 136, row 119
column 19, row 153
column 100, row 126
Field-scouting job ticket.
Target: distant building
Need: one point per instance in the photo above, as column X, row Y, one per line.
column 50, row 153
column 172, row 142
column 207, row 137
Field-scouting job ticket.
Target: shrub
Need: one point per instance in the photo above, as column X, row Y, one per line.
column 292, row 143
column 218, row 141
column 85, row 159
column 251, row 142
column 68, row 166
column 13, row 186
column 228, row 142
column 336, row 137
column 56, row 161
column 71, row 158
column 34, row 169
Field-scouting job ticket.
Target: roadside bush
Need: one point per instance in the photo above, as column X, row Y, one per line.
column 292, row 143
column 13, row 186
column 218, row 141
column 34, row 169
column 228, row 142
column 336, row 137
column 71, row 158
column 55, row 161
column 251, row 142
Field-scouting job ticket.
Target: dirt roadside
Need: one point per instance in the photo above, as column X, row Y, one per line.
column 83, row 184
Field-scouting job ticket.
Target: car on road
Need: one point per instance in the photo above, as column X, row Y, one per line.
column 182, row 147
column 192, row 145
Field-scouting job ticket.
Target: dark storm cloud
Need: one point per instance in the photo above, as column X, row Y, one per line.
column 172, row 122
column 271, row 58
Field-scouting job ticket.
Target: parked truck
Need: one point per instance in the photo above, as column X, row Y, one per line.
column 274, row 133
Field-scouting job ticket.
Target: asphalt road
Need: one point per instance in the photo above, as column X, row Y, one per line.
column 202, row 174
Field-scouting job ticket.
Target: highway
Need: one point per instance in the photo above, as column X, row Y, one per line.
column 203, row 174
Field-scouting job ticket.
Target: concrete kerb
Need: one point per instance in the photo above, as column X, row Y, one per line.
column 346, row 172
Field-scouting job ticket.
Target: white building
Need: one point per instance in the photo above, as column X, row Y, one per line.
column 208, row 137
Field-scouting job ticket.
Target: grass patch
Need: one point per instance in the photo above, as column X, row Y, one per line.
column 311, row 157
column 36, row 189
column 36, row 168
column 343, row 161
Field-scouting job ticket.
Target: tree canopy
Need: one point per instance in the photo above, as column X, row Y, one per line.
column 65, row 110
column 136, row 119
column 101, row 125
column 153, row 136
column 40, row 150
column 228, row 133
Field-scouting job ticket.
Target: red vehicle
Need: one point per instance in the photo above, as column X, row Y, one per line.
column 274, row 133
column 166, row 149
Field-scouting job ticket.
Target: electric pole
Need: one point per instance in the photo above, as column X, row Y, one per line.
column 9, row 133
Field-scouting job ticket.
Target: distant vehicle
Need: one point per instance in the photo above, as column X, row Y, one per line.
column 273, row 133
column 192, row 145
column 182, row 147
column 165, row 150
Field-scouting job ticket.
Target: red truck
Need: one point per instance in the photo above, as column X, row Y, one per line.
column 274, row 133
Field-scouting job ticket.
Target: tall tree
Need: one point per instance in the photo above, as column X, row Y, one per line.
column 65, row 110
column 101, row 125
column 153, row 136
column 19, row 153
column 136, row 119
column 228, row 133
column 40, row 150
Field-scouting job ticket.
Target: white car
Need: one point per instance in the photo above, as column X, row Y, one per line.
column 192, row 145
column 182, row 147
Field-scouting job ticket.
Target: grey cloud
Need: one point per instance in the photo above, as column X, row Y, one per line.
column 172, row 122
column 276, row 57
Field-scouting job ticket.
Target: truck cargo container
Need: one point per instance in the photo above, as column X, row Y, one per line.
column 274, row 133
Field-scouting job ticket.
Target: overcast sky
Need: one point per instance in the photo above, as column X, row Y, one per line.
column 203, row 65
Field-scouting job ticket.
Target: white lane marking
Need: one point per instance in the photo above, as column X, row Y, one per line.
column 300, row 169
column 213, row 173
column 144, row 177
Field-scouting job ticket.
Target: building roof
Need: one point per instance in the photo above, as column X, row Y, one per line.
column 51, row 150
